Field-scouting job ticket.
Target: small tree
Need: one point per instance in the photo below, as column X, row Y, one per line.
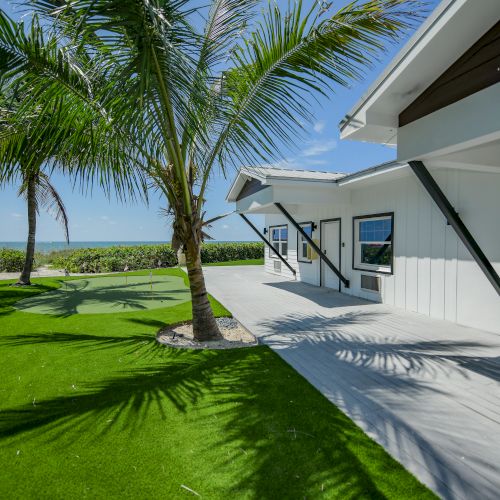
column 22, row 162
column 39, row 126
column 198, row 99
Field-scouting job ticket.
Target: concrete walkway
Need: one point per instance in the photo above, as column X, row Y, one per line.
column 427, row 390
column 41, row 272
column 47, row 272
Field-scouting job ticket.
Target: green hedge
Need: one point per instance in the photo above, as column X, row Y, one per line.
column 11, row 261
column 103, row 260
column 223, row 252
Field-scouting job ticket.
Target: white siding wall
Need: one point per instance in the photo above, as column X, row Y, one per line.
column 433, row 272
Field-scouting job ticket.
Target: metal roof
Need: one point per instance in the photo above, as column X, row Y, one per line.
column 267, row 175
column 264, row 172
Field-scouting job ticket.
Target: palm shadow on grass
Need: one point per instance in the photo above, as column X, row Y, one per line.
column 10, row 295
column 292, row 442
column 65, row 300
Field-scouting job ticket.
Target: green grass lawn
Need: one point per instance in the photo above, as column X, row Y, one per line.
column 247, row 262
column 92, row 407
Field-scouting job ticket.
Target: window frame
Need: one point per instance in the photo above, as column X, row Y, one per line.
column 357, row 265
column 303, row 260
column 271, row 250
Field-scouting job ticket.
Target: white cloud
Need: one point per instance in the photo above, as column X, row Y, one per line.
column 306, row 160
column 319, row 126
column 290, row 163
column 317, row 162
column 302, row 162
column 14, row 214
column 317, row 148
column 105, row 218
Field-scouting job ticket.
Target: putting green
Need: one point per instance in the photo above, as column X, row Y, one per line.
column 108, row 295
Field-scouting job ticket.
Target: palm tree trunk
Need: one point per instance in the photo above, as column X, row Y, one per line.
column 204, row 325
column 24, row 279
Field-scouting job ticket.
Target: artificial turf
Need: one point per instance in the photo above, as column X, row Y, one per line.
column 246, row 262
column 92, row 407
column 110, row 294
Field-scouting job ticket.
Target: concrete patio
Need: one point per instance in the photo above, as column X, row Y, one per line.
column 427, row 390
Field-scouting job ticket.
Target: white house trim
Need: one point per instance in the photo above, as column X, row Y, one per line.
column 446, row 34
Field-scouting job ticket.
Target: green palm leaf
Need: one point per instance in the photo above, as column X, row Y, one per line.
column 291, row 59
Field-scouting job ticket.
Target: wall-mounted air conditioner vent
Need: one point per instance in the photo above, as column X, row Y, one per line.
column 277, row 266
column 371, row 283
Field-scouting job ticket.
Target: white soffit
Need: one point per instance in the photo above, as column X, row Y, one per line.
column 447, row 33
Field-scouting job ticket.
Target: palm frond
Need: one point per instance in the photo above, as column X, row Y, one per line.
column 225, row 27
column 48, row 198
column 290, row 60
column 56, row 109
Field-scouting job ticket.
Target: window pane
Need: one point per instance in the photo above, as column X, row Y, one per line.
column 276, row 247
column 376, row 254
column 375, row 230
column 304, row 250
column 284, row 233
column 275, row 234
column 284, row 249
column 307, row 229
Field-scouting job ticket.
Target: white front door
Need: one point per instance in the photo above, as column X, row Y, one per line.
column 330, row 246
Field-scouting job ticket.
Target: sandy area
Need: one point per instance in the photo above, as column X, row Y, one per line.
column 182, row 336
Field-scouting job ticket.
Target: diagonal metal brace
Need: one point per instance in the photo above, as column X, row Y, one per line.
column 454, row 220
column 268, row 243
column 315, row 247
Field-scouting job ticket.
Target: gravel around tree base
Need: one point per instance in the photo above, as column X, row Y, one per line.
column 181, row 336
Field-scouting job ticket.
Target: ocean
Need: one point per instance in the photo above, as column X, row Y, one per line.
column 49, row 246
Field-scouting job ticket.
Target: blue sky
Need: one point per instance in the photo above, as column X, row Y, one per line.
column 95, row 218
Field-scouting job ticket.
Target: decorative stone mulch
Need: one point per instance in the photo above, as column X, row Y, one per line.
column 234, row 335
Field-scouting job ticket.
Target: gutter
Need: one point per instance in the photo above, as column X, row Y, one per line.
column 371, row 171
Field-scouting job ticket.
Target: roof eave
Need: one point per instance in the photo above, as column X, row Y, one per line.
column 354, row 125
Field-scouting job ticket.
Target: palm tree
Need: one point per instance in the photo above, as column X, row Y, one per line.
column 38, row 191
column 237, row 90
column 38, row 134
column 25, row 164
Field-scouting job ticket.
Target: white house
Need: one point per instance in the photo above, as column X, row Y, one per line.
column 421, row 233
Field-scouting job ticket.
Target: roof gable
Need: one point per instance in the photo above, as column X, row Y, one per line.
column 266, row 176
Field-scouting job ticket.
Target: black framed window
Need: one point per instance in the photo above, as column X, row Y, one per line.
column 373, row 242
column 303, row 247
column 279, row 240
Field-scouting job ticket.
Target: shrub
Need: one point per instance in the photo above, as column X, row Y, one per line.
column 104, row 260
column 223, row 252
column 11, row 260
column 45, row 258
